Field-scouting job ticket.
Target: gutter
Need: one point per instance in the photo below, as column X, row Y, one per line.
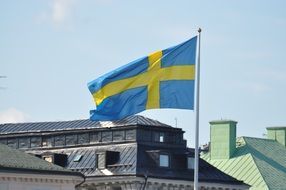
column 145, row 182
column 78, row 185
column 40, row 171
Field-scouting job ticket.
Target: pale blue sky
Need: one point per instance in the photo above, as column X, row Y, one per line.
column 50, row 49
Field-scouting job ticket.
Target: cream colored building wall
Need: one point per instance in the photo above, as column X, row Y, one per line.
column 35, row 186
column 16, row 181
column 137, row 183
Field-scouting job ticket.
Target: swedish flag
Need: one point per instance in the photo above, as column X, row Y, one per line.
column 164, row 79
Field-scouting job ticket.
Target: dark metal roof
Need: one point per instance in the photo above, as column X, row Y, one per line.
column 126, row 165
column 9, row 128
column 134, row 160
column 207, row 172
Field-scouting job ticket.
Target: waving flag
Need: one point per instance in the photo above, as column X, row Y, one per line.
column 164, row 79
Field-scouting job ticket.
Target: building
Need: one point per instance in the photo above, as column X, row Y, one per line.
column 20, row 171
column 259, row 162
column 133, row 153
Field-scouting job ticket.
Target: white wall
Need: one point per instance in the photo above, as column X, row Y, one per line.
column 36, row 186
column 17, row 181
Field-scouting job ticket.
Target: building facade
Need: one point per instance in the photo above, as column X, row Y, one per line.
column 20, row 171
column 133, row 153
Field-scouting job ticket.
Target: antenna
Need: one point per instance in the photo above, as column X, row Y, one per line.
column 2, row 76
column 176, row 122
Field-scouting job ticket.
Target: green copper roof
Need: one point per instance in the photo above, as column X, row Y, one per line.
column 260, row 163
column 222, row 121
column 13, row 159
column 275, row 128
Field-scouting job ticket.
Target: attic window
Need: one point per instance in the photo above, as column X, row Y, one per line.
column 77, row 158
column 162, row 137
column 159, row 137
column 191, row 163
column 164, row 160
column 48, row 158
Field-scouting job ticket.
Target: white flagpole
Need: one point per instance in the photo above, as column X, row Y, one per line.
column 196, row 171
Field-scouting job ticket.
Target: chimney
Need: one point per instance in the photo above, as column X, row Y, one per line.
column 278, row 134
column 223, row 139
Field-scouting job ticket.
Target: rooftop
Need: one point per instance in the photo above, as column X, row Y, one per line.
column 257, row 161
column 11, row 128
column 136, row 157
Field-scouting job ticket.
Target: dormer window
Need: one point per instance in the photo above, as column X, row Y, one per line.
column 48, row 158
column 159, row 137
column 191, row 163
column 55, row 158
column 162, row 137
column 164, row 160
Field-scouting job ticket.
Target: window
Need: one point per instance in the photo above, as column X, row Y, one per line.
column 162, row 137
column 164, row 160
column 48, row 158
column 47, row 141
column 159, row 137
column 77, row 158
column 191, row 163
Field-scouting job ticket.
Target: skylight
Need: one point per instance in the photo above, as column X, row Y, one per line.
column 77, row 158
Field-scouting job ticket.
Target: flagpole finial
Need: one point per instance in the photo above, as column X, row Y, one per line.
column 199, row 30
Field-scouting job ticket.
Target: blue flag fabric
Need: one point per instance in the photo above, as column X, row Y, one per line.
column 163, row 79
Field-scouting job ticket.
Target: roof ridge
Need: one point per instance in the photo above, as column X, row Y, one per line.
column 34, row 122
column 147, row 118
column 138, row 117
column 260, row 173
column 253, row 137
column 78, row 124
column 256, row 138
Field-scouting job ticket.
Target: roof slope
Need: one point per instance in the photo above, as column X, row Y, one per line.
column 270, row 158
column 207, row 172
column 126, row 165
column 258, row 162
column 11, row 128
column 11, row 159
